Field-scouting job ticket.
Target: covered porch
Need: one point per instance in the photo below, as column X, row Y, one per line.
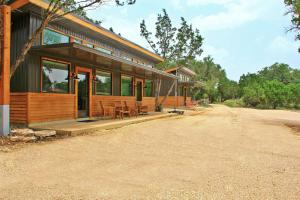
column 71, row 81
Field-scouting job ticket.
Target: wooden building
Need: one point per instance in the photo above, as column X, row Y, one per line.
column 184, row 84
column 73, row 66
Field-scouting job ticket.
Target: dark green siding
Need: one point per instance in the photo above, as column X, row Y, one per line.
column 19, row 35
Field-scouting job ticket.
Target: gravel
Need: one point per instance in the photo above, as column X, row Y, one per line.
column 224, row 153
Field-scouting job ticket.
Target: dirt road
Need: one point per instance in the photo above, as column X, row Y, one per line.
column 224, row 153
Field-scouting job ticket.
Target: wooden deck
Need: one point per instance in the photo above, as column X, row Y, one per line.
column 78, row 127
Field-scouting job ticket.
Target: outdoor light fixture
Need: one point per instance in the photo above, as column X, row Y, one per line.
column 95, row 79
column 75, row 77
column 72, row 75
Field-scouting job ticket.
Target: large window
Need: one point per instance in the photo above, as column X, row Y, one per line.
column 103, row 50
column 148, row 88
column 54, row 77
column 103, row 83
column 89, row 45
column 77, row 41
column 52, row 37
column 126, row 88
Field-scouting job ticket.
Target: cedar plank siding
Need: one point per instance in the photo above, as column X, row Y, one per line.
column 29, row 108
column 171, row 101
column 50, row 107
column 18, row 108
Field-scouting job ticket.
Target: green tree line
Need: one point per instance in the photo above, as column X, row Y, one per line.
column 272, row 87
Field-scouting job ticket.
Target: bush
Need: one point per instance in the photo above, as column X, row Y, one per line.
column 234, row 103
column 254, row 95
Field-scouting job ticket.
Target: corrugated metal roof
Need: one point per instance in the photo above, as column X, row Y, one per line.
column 70, row 46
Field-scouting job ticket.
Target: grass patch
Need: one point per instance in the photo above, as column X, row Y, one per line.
column 235, row 103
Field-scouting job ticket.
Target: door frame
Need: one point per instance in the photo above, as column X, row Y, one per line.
column 90, row 72
column 135, row 87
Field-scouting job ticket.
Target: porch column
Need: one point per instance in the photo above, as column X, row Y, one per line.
column 5, row 69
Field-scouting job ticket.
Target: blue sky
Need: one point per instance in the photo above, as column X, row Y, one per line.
column 241, row 35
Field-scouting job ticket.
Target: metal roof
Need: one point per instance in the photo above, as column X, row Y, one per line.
column 92, row 26
column 68, row 50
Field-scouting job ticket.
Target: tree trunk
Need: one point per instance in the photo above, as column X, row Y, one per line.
column 157, row 91
column 169, row 92
column 27, row 46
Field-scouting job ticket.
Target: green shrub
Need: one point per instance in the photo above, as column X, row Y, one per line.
column 234, row 103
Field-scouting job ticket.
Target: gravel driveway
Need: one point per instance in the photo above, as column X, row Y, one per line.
column 223, row 153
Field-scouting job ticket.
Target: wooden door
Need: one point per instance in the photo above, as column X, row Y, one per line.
column 83, row 88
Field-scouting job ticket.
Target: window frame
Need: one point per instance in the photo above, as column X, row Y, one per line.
column 58, row 61
column 145, row 92
column 111, row 82
column 53, row 30
column 132, row 85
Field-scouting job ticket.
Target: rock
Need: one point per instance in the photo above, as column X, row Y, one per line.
column 45, row 133
column 22, row 132
column 5, row 149
column 16, row 138
column 29, row 139
column 22, row 138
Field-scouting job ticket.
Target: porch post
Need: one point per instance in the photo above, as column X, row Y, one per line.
column 5, row 69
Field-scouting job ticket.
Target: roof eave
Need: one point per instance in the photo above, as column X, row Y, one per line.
column 42, row 4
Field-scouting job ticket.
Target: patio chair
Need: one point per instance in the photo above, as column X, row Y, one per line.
column 143, row 109
column 134, row 111
column 100, row 110
column 126, row 110
column 118, row 110
column 106, row 110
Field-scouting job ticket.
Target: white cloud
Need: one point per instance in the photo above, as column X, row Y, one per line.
column 219, row 54
column 282, row 45
column 130, row 29
column 236, row 13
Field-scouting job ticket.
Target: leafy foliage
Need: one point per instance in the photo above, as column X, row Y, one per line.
column 275, row 86
column 234, row 103
column 272, row 87
column 294, row 10
column 213, row 83
column 173, row 44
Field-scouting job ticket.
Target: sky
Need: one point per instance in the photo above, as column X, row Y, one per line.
column 241, row 35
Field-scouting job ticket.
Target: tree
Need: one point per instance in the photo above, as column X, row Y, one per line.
column 294, row 97
column 171, row 43
column 254, row 95
column 273, row 86
column 278, row 71
column 276, row 93
column 214, row 83
column 56, row 10
column 228, row 89
column 247, row 81
column 294, row 11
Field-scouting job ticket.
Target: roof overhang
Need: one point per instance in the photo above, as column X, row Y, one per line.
column 185, row 70
column 187, row 83
column 43, row 4
column 80, row 53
